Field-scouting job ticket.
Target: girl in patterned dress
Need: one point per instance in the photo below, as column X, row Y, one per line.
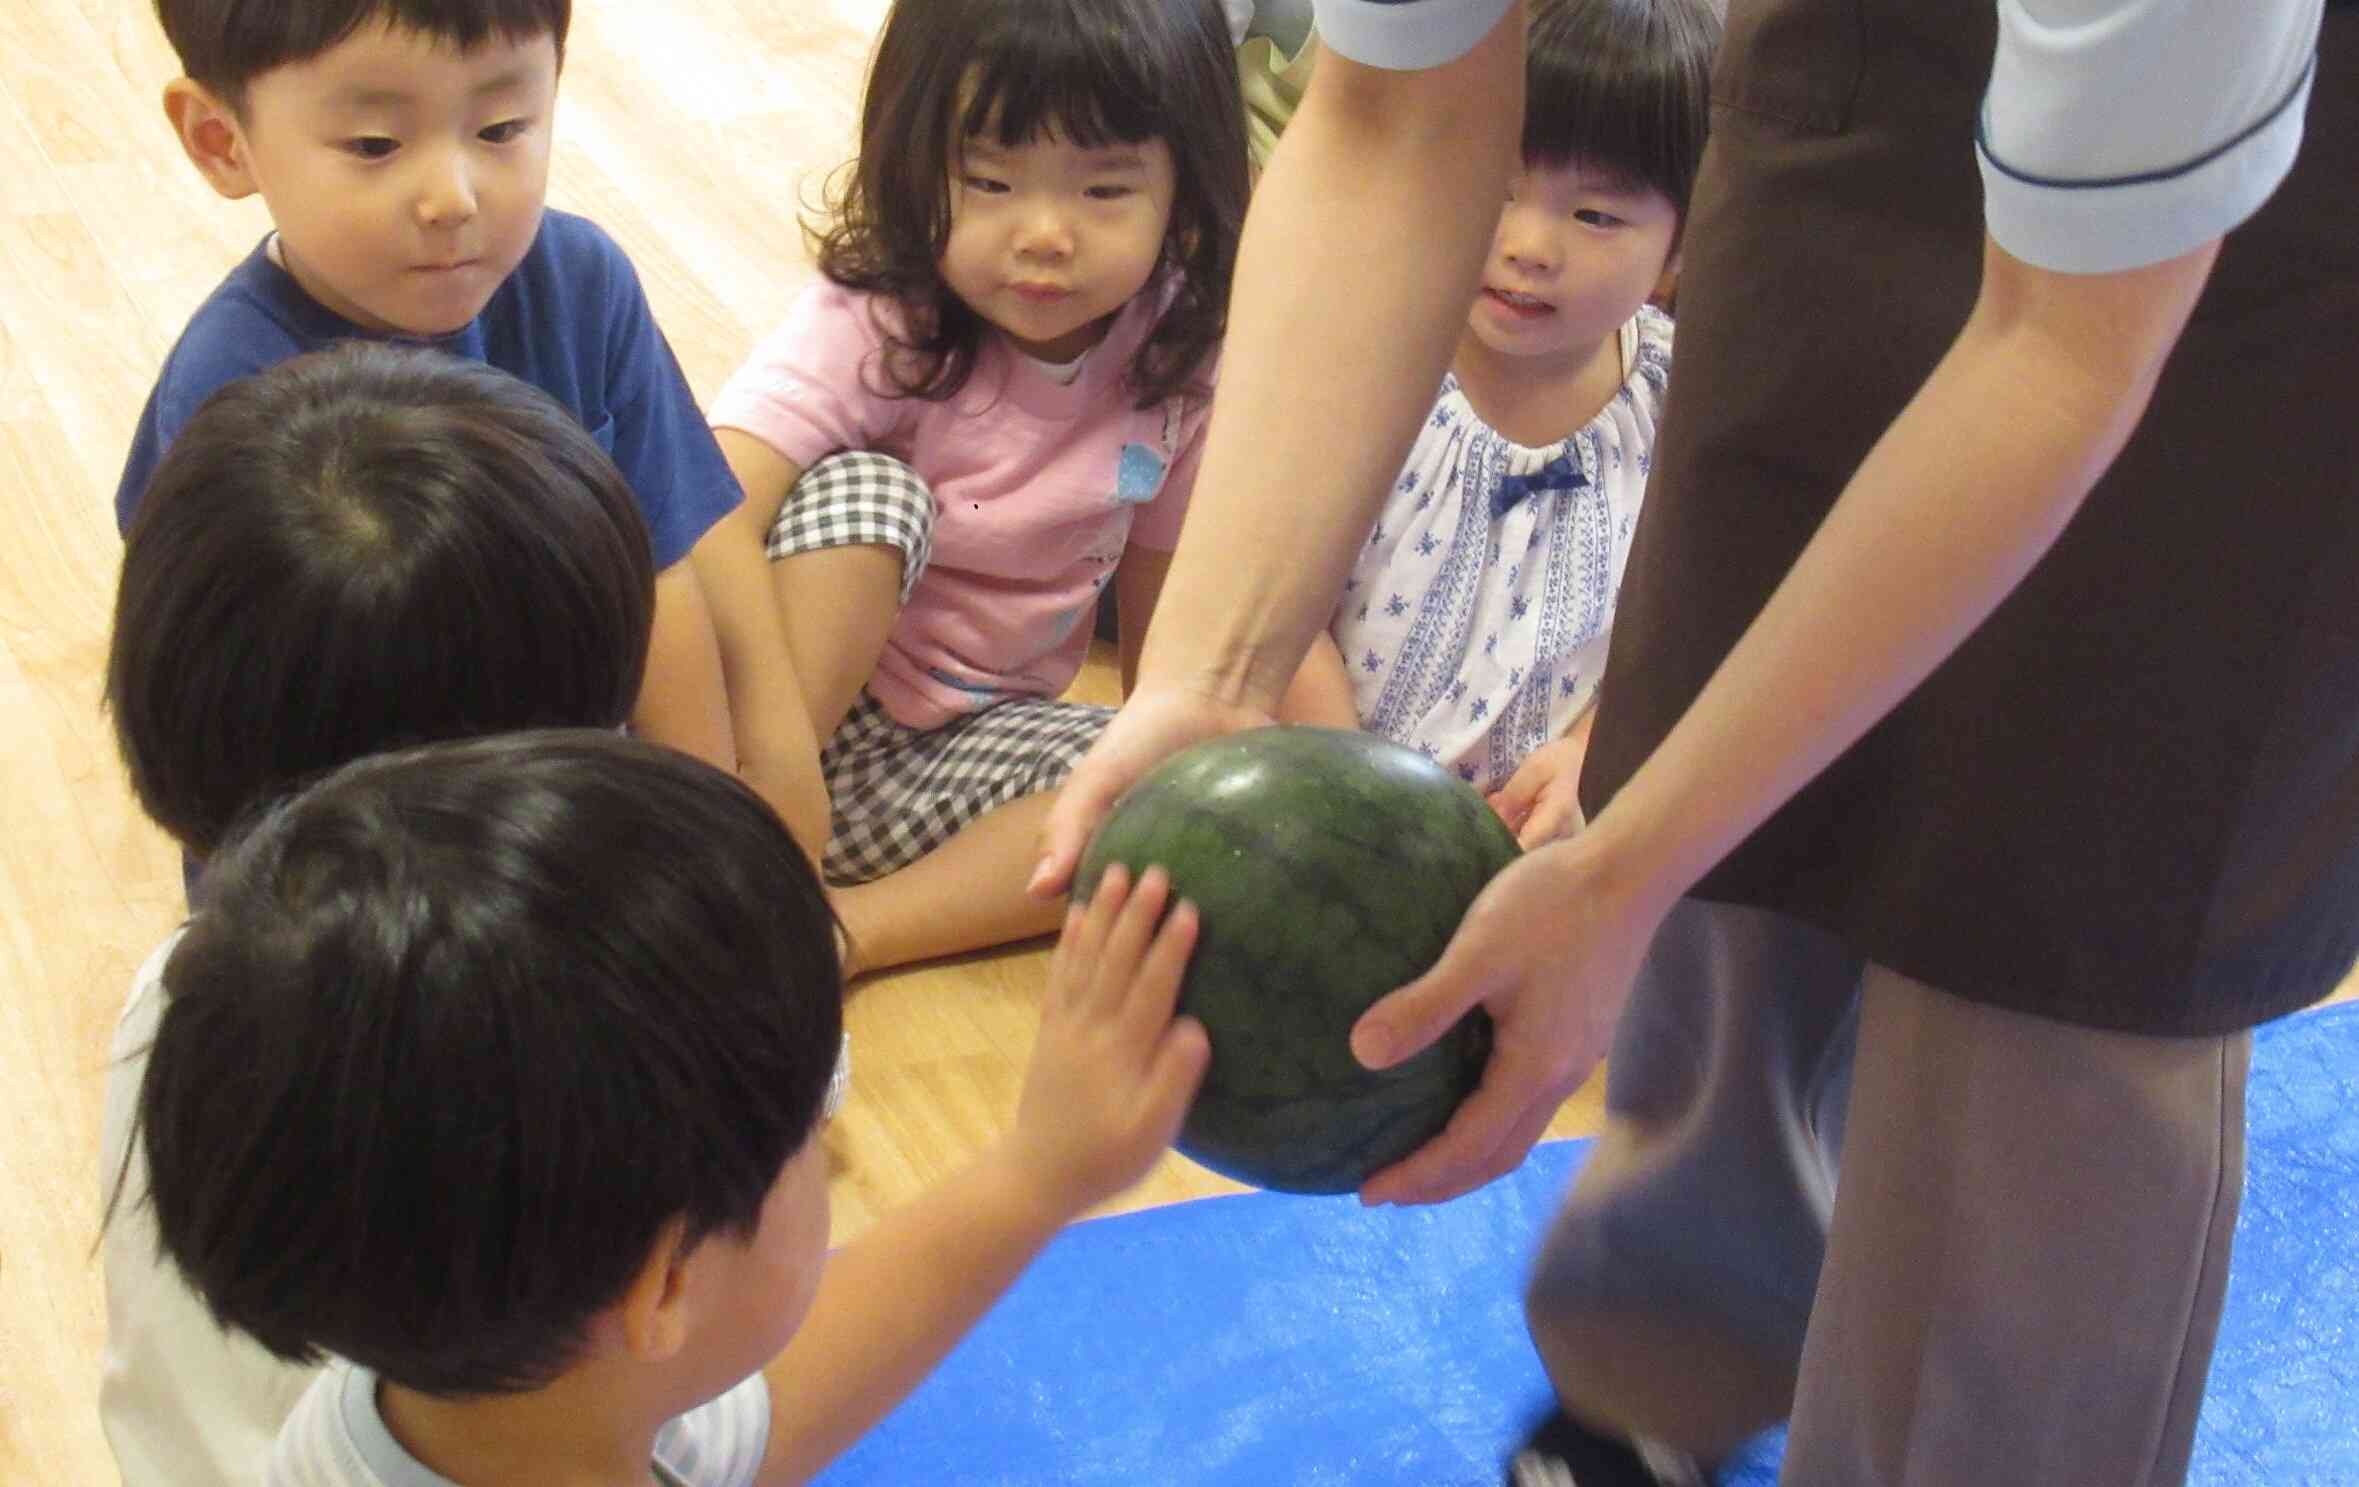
column 1475, row 621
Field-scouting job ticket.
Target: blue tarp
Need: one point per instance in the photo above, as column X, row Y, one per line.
column 1264, row 1341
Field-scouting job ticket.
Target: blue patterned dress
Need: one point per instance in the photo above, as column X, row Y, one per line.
column 1474, row 624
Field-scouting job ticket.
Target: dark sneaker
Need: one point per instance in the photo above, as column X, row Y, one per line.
column 1562, row 1454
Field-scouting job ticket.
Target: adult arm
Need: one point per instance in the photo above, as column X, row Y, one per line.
column 2106, row 196
column 1950, row 509
column 1359, row 256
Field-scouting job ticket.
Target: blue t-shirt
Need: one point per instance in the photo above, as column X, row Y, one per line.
column 571, row 320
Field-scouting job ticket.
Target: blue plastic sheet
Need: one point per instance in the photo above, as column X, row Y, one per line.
column 1260, row 1341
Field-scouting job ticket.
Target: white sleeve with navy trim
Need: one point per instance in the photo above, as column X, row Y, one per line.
column 1404, row 35
column 2119, row 133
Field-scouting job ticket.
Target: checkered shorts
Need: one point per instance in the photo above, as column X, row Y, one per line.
column 858, row 499
column 898, row 792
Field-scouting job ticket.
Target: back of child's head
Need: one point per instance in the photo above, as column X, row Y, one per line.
column 1623, row 87
column 1094, row 72
column 359, row 549
column 225, row 44
column 463, row 1030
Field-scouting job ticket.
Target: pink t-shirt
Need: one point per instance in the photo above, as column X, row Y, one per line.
column 1038, row 488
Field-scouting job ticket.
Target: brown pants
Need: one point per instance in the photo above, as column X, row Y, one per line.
column 2018, row 1278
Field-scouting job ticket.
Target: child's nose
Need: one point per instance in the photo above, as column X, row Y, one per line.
column 1530, row 252
column 1044, row 233
column 446, row 197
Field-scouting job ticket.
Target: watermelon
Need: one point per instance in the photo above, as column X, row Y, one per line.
column 1329, row 867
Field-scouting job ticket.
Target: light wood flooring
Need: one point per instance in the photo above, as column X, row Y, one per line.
column 693, row 129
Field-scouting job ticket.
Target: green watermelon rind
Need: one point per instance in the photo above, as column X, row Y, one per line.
column 1322, row 800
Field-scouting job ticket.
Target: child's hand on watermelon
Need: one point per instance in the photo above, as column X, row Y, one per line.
column 1112, row 1069
column 1541, row 801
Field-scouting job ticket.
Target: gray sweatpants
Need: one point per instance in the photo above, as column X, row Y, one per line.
column 2018, row 1278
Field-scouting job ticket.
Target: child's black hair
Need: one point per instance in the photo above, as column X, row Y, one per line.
column 462, row 1029
column 225, row 44
column 1098, row 72
column 1622, row 86
column 358, row 549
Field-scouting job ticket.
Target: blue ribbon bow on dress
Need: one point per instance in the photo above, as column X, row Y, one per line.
column 1560, row 474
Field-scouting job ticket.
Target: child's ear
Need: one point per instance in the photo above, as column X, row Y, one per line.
column 653, row 1312
column 209, row 131
column 1667, row 286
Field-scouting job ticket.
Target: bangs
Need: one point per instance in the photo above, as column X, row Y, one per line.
column 1619, row 126
column 227, row 44
column 1093, row 85
column 1620, row 87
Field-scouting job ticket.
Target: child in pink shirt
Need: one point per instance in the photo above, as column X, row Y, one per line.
column 989, row 411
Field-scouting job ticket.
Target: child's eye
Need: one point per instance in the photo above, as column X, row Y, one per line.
column 1596, row 218
column 371, row 146
column 507, row 131
column 1107, row 193
column 986, row 185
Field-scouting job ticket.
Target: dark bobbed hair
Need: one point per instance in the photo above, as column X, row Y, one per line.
column 1623, row 86
column 223, row 45
column 1097, row 72
column 358, row 549
column 462, row 1029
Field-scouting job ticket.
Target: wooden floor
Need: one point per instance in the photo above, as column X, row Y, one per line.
column 692, row 129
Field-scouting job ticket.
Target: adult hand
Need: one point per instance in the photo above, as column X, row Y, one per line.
column 1549, row 949
column 1155, row 723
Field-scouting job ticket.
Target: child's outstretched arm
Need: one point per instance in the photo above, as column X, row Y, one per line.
column 1112, row 1073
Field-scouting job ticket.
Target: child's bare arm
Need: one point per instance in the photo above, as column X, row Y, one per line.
column 1542, row 799
column 1138, row 585
column 776, row 749
column 682, row 701
column 1112, row 1073
column 1321, row 691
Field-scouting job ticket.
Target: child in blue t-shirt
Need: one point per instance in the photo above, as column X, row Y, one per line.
column 405, row 164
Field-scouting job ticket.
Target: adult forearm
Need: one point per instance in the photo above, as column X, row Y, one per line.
column 1964, row 492
column 1359, row 260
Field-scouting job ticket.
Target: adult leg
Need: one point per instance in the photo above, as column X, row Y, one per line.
column 847, row 548
column 2029, row 1250
column 1672, row 1294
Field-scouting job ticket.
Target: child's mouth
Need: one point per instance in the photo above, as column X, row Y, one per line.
column 1523, row 306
